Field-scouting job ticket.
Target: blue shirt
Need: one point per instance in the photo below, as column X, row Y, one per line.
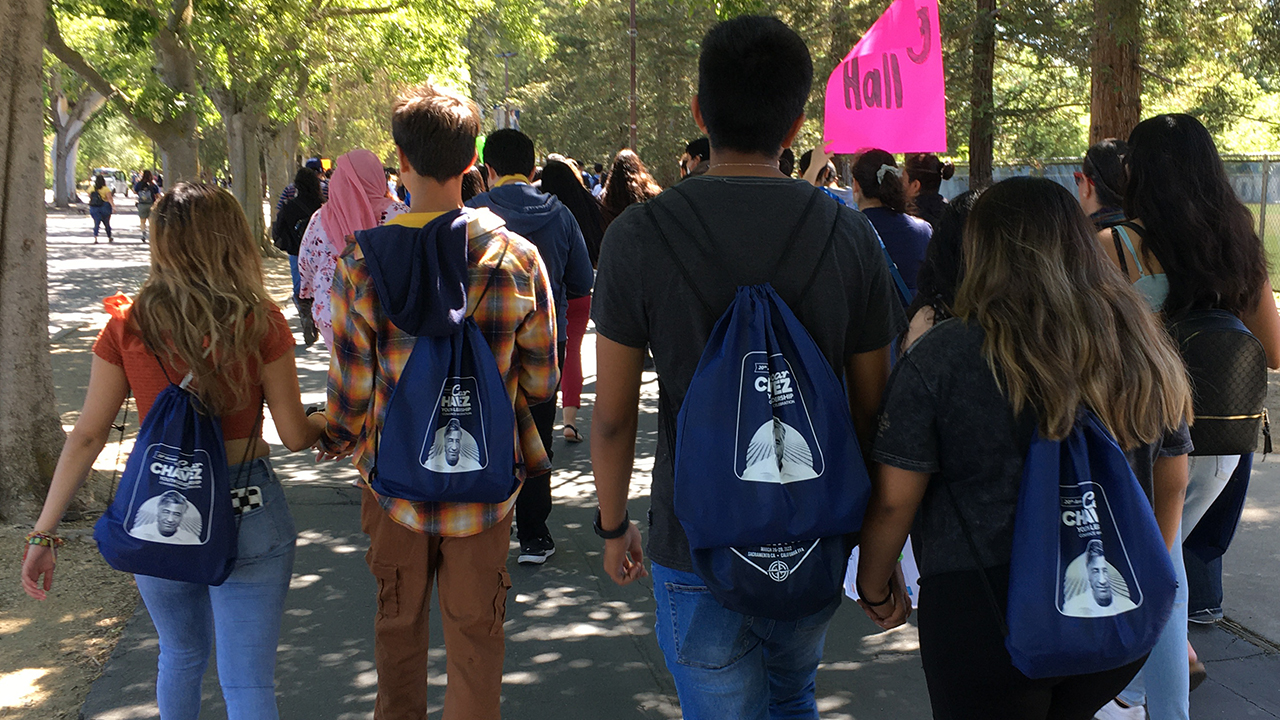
column 905, row 237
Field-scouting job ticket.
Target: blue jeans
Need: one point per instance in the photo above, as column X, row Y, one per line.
column 243, row 613
column 101, row 216
column 1164, row 683
column 295, row 274
column 729, row 665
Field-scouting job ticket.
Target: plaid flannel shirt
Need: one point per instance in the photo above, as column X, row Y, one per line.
column 517, row 318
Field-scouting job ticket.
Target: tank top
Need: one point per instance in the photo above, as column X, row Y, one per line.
column 1153, row 287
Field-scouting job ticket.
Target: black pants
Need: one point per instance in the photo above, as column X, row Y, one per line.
column 969, row 672
column 534, row 504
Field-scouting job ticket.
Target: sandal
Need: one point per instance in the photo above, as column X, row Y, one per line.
column 575, row 438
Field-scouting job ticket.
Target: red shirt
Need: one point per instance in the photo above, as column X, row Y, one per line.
column 119, row 345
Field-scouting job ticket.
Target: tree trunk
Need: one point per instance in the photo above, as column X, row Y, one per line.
column 982, row 126
column 282, row 160
column 244, row 154
column 180, row 152
column 1115, row 105
column 69, row 124
column 30, row 431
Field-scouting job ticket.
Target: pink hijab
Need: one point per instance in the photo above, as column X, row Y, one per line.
column 357, row 197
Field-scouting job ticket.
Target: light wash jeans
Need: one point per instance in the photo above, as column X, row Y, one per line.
column 1206, row 477
column 244, row 614
column 1164, row 683
column 729, row 665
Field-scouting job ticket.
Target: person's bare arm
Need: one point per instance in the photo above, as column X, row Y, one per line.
column 108, row 388
column 614, row 420
column 895, row 496
column 868, row 374
column 280, row 388
column 1264, row 322
column 1169, row 485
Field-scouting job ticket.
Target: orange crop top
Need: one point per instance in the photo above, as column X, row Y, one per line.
column 119, row 345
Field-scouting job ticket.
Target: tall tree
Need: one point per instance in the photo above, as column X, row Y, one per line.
column 1115, row 94
column 30, row 432
column 67, row 116
column 164, row 106
column 982, row 127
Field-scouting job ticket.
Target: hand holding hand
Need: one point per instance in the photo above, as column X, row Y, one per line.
column 624, row 557
column 896, row 607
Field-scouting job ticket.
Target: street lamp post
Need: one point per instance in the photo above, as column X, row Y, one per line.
column 506, row 74
column 632, row 33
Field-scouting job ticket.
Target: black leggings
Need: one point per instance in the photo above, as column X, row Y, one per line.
column 969, row 672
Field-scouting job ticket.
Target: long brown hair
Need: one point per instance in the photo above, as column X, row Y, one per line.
column 204, row 302
column 629, row 182
column 1063, row 328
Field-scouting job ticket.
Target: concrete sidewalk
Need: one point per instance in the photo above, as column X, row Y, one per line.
column 577, row 645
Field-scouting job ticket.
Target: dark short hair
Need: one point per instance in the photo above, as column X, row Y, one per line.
column 509, row 152
column 436, row 128
column 699, row 148
column 754, row 76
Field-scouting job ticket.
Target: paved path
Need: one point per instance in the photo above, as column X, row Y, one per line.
column 577, row 645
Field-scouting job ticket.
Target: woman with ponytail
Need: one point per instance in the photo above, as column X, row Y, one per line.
column 923, row 182
column 881, row 196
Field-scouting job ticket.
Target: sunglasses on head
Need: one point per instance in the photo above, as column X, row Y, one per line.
column 1081, row 177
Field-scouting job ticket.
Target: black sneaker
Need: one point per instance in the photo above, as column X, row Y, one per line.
column 536, row 551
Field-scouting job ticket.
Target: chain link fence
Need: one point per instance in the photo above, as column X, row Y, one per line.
column 1256, row 179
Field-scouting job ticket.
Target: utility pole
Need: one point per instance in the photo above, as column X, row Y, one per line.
column 506, row 73
column 632, row 33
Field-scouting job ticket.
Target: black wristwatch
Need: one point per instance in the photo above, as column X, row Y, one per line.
column 611, row 534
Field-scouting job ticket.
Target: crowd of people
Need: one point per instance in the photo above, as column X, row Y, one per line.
column 102, row 202
column 964, row 331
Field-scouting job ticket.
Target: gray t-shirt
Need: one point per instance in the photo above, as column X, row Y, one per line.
column 945, row 415
column 641, row 297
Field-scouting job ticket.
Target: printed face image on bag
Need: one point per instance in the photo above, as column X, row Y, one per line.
column 459, row 421
column 776, row 439
column 1096, row 578
column 178, row 485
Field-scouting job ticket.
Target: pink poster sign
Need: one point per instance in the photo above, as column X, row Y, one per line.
column 888, row 92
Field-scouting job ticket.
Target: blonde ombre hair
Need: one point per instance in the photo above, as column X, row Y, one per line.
column 204, row 302
column 1063, row 328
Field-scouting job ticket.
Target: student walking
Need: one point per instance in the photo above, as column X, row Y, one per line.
column 559, row 179
column 291, row 222
column 824, row 262
column 102, row 200
column 420, row 275
column 550, row 226
column 880, row 195
column 1043, row 331
column 147, row 191
column 923, row 175
column 1189, row 247
column 1100, row 182
column 237, row 355
column 358, row 200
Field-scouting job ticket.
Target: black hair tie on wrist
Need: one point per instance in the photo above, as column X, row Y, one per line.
column 863, row 595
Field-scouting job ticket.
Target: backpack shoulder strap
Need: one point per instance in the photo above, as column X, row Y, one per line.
column 684, row 271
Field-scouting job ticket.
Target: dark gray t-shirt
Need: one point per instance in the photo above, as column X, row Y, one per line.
column 945, row 415
column 641, row 298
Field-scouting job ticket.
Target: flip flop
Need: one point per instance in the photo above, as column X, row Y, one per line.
column 577, row 436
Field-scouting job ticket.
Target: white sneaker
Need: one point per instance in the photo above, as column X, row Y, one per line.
column 1115, row 711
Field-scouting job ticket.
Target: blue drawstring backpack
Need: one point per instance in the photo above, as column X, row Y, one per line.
column 1091, row 584
column 172, row 516
column 448, row 433
column 769, row 478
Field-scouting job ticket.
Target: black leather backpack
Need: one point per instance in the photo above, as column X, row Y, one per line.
column 1228, row 370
